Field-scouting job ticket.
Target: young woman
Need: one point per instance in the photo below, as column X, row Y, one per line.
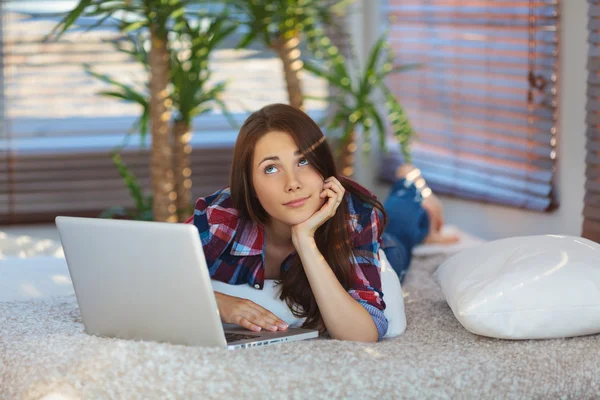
column 288, row 216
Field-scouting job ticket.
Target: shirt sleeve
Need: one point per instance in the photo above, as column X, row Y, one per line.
column 214, row 237
column 200, row 221
column 366, row 284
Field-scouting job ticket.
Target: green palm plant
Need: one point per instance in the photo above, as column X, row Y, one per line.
column 143, row 203
column 193, row 94
column 188, row 93
column 280, row 24
column 142, row 210
column 153, row 16
column 356, row 105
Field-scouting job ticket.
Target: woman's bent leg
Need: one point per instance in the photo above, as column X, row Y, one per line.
column 396, row 254
column 408, row 222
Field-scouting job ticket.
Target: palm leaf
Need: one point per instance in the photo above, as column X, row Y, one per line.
column 117, row 95
column 68, row 20
column 320, row 98
column 130, row 180
column 375, row 52
column 227, row 114
column 333, row 78
column 99, row 22
column 406, row 67
column 113, row 211
column 132, row 94
column 339, row 119
column 127, row 94
column 379, row 124
column 365, row 86
column 191, row 96
column 220, row 35
column 348, row 129
column 249, row 38
column 138, row 52
column 133, row 26
column 401, row 127
column 338, row 7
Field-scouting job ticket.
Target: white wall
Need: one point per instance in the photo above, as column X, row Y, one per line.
column 491, row 221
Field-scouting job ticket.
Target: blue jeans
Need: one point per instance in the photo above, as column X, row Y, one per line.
column 407, row 226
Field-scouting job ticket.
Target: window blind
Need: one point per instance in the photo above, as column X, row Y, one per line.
column 58, row 133
column 4, row 165
column 483, row 100
column 591, row 210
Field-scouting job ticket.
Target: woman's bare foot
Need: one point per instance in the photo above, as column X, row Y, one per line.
column 434, row 208
column 440, row 238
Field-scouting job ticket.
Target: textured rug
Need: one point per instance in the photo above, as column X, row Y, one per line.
column 44, row 354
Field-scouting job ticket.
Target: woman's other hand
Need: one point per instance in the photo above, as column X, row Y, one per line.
column 246, row 313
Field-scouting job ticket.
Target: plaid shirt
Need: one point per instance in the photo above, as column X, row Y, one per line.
column 233, row 248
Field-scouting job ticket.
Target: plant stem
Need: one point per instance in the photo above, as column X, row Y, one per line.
column 164, row 209
column 183, row 183
column 288, row 51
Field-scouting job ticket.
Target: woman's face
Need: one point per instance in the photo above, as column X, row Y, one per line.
column 286, row 185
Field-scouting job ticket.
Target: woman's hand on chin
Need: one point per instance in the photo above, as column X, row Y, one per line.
column 333, row 193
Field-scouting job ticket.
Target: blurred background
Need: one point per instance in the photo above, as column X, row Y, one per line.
column 494, row 101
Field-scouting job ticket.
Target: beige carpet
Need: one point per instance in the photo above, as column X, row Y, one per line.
column 45, row 354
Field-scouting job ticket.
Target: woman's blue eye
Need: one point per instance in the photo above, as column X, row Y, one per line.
column 303, row 161
column 270, row 169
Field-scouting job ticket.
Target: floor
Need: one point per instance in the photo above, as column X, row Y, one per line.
column 42, row 231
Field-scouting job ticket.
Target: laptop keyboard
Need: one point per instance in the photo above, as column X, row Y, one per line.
column 232, row 337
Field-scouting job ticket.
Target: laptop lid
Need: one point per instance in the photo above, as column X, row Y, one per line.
column 141, row 280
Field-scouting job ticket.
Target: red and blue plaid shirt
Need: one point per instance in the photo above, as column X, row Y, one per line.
column 233, row 248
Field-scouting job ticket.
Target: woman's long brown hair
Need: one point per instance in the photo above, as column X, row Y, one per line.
column 333, row 237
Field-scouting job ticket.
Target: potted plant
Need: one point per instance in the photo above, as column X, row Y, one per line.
column 187, row 95
column 356, row 105
column 154, row 17
column 280, row 25
column 192, row 92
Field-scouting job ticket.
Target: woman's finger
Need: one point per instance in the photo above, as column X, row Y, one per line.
column 333, row 202
column 264, row 318
column 328, row 193
column 243, row 322
column 257, row 319
column 338, row 189
column 332, row 179
column 267, row 315
column 250, row 315
column 273, row 320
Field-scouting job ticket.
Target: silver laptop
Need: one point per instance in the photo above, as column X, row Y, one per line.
column 149, row 281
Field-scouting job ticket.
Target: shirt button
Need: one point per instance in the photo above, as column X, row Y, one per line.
column 256, row 286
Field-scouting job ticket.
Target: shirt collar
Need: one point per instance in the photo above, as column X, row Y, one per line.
column 248, row 239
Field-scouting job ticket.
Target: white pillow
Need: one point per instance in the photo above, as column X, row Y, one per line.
column 393, row 297
column 269, row 299
column 532, row 287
